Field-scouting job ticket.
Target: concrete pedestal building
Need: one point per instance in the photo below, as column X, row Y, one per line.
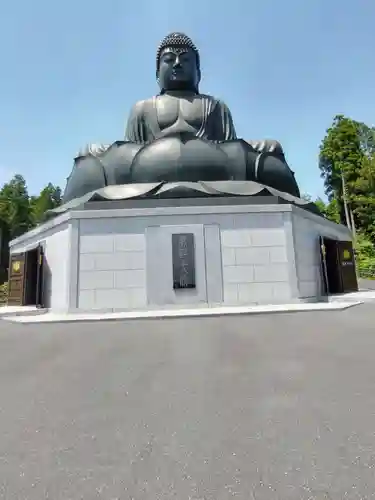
column 122, row 255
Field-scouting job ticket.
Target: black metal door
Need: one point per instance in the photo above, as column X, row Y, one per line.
column 347, row 266
column 39, row 277
column 16, row 280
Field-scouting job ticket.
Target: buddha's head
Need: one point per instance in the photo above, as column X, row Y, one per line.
column 177, row 64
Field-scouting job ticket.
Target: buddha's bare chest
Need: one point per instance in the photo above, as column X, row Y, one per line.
column 179, row 113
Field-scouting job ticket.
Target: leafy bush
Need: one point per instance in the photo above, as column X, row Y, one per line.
column 365, row 257
column 4, row 293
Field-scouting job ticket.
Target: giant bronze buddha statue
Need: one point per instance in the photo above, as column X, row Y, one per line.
column 180, row 135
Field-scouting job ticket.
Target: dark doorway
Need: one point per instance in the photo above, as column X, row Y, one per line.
column 40, row 278
column 338, row 266
column 31, row 271
column 26, row 278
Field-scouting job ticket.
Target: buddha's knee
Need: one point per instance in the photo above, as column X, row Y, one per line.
column 117, row 161
column 274, row 172
column 87, row 175
column 241, row 159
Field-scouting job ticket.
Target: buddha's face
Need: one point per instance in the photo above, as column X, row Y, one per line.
column 178, row 69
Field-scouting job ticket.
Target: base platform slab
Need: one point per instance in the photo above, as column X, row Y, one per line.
column 50, row 317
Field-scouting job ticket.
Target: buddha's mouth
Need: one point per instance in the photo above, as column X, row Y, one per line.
column 178, row 78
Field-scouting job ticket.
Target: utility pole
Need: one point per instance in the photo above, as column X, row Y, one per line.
column 345, row 200
column 352, row 223
column 348, row 210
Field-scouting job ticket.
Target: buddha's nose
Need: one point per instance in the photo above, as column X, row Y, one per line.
column 177, row 62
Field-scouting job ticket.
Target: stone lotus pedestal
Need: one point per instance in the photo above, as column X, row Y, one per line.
column 138, row 254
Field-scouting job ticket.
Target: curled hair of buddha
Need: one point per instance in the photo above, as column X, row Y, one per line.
column 177, row 41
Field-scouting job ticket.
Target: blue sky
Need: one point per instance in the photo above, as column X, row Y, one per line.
column 71, row 71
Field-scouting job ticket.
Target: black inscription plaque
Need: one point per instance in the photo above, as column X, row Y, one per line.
column 183, row 261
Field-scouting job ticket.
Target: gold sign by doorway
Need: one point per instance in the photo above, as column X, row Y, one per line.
column 16, row 266
column 346, row 254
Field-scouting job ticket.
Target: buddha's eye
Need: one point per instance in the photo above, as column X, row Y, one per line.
column 169, row 59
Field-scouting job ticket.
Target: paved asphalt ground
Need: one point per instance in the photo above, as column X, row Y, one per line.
column 367, row 284
column 254, row 407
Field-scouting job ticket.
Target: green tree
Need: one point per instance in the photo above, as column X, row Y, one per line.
column 367, row 139
column 15, row 206
column 340, row 161
column 49, row 198
column 332, row 211
column 364, row 197
column 365, row 256
column 329, row 210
